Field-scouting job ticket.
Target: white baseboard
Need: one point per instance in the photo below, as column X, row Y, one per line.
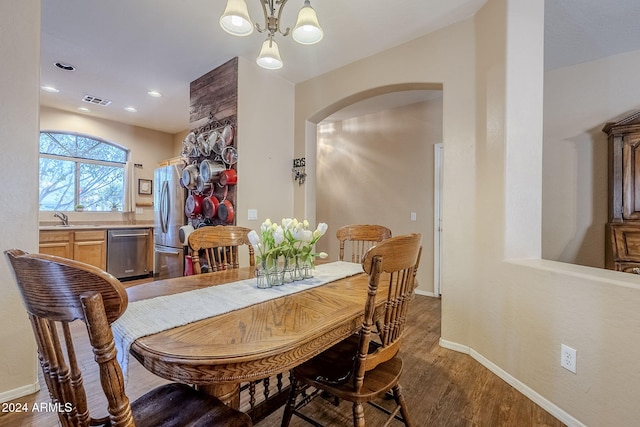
column 19, row 392
column 545, row 404
column 425, row 293
column 454, row 346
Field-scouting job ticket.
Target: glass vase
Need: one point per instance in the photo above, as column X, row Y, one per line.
column 307, row 268
column 261, row 277
column 288, row 269
column 275, row 272
column 297, row 269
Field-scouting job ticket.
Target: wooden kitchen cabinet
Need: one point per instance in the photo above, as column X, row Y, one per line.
column 622, row 244
column 56, row 243
column 89, row 247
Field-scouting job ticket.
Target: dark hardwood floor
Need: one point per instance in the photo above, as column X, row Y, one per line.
column 442, row 387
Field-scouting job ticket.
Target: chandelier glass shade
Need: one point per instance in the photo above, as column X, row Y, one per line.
column 307, row 29
column 269, row 57
column 235, row 20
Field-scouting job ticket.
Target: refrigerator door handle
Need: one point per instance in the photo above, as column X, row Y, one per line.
column 164, row 207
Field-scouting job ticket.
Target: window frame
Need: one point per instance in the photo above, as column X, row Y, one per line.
column 78, row 161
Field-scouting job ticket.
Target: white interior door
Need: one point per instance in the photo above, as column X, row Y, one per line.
column 437, row 218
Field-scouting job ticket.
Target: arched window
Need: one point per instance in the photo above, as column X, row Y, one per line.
column 80, row 171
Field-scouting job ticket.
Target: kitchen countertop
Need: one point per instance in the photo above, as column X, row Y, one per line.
column 80, row 226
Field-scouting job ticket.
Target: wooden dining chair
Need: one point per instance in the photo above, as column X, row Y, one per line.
column 358, row 238
column 366, row 366
column 217, row 247
column 57, row 291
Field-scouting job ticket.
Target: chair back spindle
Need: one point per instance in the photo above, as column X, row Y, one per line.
column 217, row 247
column 396, row 262
column 52, row 289
column 356, row 239
column 366, row 366
column 57, row 291
column 101, row 338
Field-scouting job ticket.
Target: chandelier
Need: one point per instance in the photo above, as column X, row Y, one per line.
column 236, row 21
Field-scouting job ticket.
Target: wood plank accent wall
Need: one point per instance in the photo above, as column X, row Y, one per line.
column 214, row 104
column 214, row 97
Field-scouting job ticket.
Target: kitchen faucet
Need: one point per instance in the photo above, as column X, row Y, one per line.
column 62, row 217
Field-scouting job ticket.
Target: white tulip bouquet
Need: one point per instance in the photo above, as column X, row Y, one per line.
column 293, row 241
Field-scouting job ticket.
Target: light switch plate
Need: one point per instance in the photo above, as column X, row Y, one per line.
column 252, row 214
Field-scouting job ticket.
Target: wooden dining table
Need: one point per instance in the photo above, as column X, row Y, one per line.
column 255, row 342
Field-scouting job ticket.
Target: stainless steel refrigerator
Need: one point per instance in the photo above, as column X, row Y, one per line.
column 168, row 201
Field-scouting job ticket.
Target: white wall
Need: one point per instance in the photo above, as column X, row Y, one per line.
column 19, row 85
column 578, row 101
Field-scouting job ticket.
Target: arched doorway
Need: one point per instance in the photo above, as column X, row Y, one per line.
column 374, row 163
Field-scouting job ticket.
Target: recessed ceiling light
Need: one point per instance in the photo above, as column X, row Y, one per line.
column 84, row 109
column 64, row 66
column 49, row 89
column 154, row 94
column 131, row 109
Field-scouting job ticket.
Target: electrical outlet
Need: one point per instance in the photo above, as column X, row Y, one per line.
column 568, row 358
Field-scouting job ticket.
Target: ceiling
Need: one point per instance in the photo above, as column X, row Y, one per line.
column 122, row 49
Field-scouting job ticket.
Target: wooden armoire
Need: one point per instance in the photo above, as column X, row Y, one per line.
column 623, row 229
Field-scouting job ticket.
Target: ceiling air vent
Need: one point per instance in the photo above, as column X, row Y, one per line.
column 96, row 100
column 64, row 66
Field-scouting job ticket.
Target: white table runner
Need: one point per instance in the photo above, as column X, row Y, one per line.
column 150, row 316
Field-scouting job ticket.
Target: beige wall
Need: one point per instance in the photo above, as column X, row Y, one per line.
column 265, row 145
column 428, row 62
column 19, row 85
column 578, row 100
column 425, row 63
column 377, row 169
column 148, row 147
column 178, row 138
column 502, row 303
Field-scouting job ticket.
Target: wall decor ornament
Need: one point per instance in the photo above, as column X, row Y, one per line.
column 298, row 172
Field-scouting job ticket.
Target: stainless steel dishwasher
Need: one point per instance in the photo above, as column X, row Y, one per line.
column 127, row 252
